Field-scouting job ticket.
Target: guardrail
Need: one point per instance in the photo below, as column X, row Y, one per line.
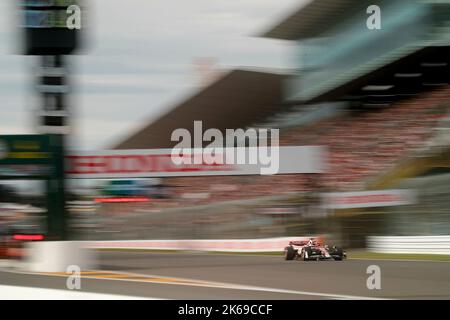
column 410, row 244
column 229, row 245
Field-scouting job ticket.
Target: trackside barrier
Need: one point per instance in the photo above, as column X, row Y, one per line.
column 235, row 245
column 410, row 244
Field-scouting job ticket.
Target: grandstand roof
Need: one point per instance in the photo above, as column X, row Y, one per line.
column 403, row 75
column 311, row 19
column 239, row 99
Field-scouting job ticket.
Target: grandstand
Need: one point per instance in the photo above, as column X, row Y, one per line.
column 379, row 100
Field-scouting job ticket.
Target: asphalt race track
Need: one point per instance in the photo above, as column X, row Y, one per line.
column 214, row 276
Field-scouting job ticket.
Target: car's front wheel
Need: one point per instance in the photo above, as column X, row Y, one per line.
column 289, row 253
column 338, row 254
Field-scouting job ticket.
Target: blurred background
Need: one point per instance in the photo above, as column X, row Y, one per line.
column 378, row 100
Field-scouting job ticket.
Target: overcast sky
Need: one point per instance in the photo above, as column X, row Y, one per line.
column 139, row 60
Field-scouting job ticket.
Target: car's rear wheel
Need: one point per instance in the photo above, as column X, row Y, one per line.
column 306, row 253
column 289, row 253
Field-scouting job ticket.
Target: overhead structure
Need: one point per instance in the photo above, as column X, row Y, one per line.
column 340, row 58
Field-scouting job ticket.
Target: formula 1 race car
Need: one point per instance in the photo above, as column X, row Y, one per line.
column 313, row 250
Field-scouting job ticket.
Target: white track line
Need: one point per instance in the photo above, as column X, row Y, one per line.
column 230, row 286
column 28, row 293
column 212, row 284
column 224, row 285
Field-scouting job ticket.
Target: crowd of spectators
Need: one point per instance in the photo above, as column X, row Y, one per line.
column 361, row 144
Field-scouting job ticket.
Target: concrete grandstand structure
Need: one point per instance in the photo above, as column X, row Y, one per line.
column 378, row 99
